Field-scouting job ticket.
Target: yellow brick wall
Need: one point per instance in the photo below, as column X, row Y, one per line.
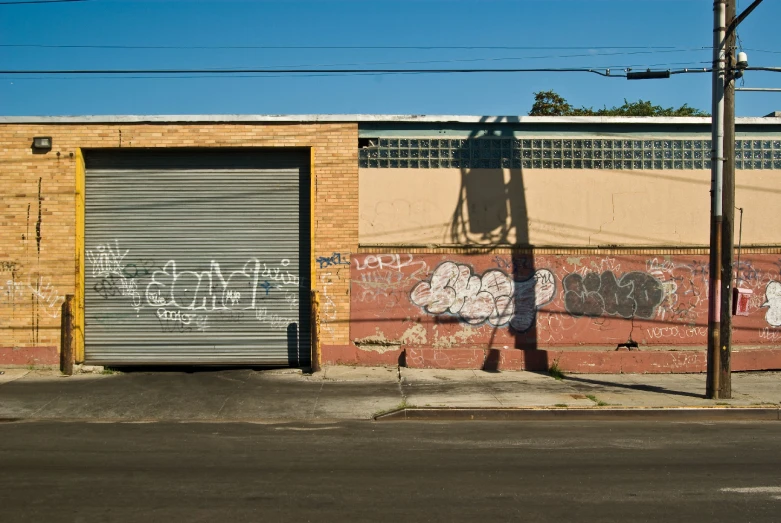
column 38, row 218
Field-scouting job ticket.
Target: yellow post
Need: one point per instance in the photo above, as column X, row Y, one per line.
column 78, row 313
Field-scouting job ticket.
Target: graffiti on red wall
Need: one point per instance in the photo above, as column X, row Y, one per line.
column 492, row 297
column 523, row 301
column 634, row 294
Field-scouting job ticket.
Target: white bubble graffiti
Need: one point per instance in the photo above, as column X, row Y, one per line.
column 493, row 297
column 773, row 303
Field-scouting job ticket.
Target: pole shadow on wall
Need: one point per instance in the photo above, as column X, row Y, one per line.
column 491, row 212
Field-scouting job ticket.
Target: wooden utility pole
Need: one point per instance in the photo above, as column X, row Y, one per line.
column 725, row 66
column 728, row 213
column 66, row 336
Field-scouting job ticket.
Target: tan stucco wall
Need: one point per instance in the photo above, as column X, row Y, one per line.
column 556, row 207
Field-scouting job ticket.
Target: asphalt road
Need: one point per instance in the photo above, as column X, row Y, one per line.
column 393, row 471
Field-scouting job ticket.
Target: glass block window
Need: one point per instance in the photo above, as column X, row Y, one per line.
column 560, row 153
column 758, row 154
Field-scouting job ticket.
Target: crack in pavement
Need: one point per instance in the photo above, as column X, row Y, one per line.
column 317, row 399
column 231, row 394
column 490, row 390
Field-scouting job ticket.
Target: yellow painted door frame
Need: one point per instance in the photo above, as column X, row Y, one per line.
column 315, row 317
column 78, row 313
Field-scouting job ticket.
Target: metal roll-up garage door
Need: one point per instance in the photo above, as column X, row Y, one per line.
column 197, row 257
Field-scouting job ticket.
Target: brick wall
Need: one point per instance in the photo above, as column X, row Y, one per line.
column 38, row 219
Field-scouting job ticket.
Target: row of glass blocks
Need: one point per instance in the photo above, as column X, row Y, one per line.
column 561, row 153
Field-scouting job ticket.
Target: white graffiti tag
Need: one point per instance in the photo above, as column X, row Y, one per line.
column 207, row 290
column 14, row 290
column 177, row 316
column 108, row 264
column 492, row 297
column 276, row 321
column 773, row 303
column 393, row 262
column 50, row 296
column 106, row 259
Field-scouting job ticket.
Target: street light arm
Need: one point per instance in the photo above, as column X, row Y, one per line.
column 742, row 16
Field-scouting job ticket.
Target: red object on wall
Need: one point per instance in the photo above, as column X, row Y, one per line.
column 740, row 300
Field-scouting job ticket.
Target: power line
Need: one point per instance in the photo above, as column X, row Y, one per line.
column 488, row 59
column 690, row 68
column 311, row 47
column 472, row 60
column 462, row 60
column 112, row 72
column 762, row 51
column 43, row 2
column 185, row 77
column 294, row 71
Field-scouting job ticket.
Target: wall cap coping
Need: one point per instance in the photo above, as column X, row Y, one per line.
column 373, row 118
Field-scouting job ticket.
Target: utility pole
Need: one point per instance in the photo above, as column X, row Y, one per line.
column 717, row 164
column 728, row 208
column 725, row 70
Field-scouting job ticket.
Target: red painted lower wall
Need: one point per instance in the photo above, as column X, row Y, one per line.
column 578, row 362
column 519, row 311
column 29, row 356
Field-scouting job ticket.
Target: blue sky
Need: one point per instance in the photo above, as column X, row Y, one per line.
column 560, row 33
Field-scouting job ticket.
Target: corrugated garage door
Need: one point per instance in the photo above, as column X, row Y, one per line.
column 197, row 257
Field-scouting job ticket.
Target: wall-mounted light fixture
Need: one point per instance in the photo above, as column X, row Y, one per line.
column 42, row 143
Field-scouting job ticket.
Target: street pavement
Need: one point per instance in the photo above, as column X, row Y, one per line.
column 362, row 393
column 345, row 471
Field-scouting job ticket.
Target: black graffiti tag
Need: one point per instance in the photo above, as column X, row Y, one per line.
column 140, row 269
column 108, row 286
column 636, row 294
column 174, row 326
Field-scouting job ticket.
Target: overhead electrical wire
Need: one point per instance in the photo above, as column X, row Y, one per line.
column 767, row 69
column 598, row 71
column 497, row 59
column 354, row 47
column 367, row 47
column 760, row 50
column 21, row 2
column 457, row 60
column 418, row 62
column 288, row 71
column 185, row 77
column 664, row 66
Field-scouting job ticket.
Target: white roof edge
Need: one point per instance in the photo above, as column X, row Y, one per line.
column 369, row 118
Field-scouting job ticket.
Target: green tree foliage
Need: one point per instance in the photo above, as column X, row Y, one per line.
column 550, row 103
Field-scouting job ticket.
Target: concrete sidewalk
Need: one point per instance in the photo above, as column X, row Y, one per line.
column 339, row 393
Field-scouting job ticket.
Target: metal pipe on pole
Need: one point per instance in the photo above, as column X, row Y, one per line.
column 717, row 170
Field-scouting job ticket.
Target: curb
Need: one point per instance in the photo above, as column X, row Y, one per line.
column 183, row 421
column 586, row 414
